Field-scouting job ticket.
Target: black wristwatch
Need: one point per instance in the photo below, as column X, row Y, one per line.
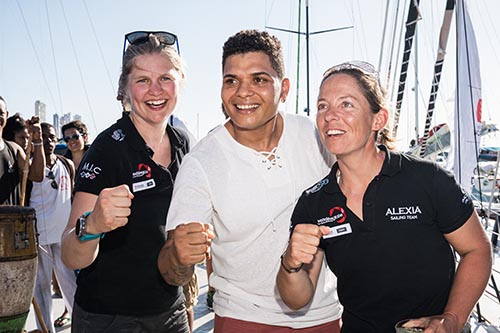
column 292, row 269
column 81, row 229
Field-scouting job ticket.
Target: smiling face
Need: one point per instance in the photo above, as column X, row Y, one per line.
column 345, row 120
column 75, row 144
column 251, row 90
column 49, row 138
column 152, row 89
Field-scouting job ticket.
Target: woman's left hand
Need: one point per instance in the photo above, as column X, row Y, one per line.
column 445, row 323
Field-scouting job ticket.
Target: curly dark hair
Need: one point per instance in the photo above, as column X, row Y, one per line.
column 14, row 124
column 77, row 124
column 255, row 41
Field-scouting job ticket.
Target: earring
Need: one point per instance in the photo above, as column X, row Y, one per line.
column 283, row 99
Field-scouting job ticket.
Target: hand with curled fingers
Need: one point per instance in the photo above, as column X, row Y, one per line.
column 444, row 323
column 111, row 209
column 34, row 128
column 192, row 242
column 304, row 244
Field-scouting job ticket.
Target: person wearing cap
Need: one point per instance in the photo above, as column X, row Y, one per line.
column 122, row 193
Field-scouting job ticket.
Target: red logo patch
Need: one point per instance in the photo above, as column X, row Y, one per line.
column 338, row 214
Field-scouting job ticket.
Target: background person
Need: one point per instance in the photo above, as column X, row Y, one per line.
column 243, row 180
column 16, row 130
column 51, row 199
column 75, row 134
column 122, row 194
column 385, row 222
column 12, row 160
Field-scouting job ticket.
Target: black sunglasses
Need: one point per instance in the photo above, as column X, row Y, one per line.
column 139, row 37
column 75, row 136
column 53, row 183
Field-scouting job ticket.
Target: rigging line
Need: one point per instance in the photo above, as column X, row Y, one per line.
column 362, row 32
column 99, row 47
column 382, row 42
column 36, row 53
column 290, row 43
column 394, row 55
column 351, row 12
column 297, row 83
column 438, row 69
column 78, row 65
column 411, row 23
column 269, row 12
column 54, row 59
column 491, row 24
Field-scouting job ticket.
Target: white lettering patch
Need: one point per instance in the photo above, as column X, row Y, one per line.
column 144, row 185
column 339, row 230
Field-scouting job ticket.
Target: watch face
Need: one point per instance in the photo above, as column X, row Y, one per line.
column 80, row 227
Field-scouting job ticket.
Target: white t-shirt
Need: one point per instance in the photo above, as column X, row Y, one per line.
column 52, row 206
column 249, row 201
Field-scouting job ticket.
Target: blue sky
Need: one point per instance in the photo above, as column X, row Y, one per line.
column 68, row 53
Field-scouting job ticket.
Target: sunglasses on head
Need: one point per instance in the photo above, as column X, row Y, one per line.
column 75, row 136
column 361, row 66
column 139, row 37
column 53, row 183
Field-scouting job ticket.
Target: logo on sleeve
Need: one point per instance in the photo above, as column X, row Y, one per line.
column 465, row 199
column 118, row 135
column 90, row 171
column 317, row 186
column 143, row 170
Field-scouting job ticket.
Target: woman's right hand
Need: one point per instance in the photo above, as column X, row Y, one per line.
column 304, row 244
column 111, row 210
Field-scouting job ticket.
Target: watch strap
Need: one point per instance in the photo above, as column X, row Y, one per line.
column 292, row 269
column 86, row 236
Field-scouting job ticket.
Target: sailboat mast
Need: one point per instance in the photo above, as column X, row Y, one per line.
column 298, row 63
column 438, row 68
column 307, row 55
column 307, row 34
column 411, row 23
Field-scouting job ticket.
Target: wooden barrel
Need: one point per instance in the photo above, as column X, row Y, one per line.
column 18, row 265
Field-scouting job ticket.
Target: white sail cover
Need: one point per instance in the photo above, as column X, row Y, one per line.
column 467, row 119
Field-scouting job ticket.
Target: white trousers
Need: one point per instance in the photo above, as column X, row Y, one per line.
column 49, row 258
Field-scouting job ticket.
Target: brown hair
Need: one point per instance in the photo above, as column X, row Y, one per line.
column 368, row 81
column 77, row 124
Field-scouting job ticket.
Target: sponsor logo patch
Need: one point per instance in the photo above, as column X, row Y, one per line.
column 90, row 171
column 143, row 170
column 337, row 215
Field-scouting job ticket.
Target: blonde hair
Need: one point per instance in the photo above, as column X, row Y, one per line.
column 151, row 46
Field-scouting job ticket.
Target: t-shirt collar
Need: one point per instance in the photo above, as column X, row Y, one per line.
column 137, row 142
column 391, row 166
